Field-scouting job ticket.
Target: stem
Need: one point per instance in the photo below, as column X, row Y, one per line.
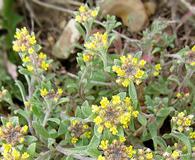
column 67, row 152
column 92, row 81
column 47, row 114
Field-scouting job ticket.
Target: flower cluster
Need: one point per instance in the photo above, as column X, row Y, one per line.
column 182, row 121
column 143, row 154
column 25, row 44
column 130, row 69
column 11, row 153
column 79, row 130
column 191, row 57
column 117, row 150
column 111, row 114
column 45, row 93
column 12, row 134
column 24, row 41
column 96, row 43
column 85, row 14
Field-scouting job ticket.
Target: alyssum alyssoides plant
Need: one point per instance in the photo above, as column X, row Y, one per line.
column 92, row 115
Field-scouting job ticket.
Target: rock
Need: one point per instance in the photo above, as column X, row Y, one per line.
column 65, row 44
column 132, row 12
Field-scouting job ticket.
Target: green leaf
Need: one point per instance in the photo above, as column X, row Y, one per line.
column 31, row 149
column 86, row 109
column 22, row 113
column 153, row 132
column 69, row 158
column 122, row 95
column 50, row 141
column 21, row 88
column 63, row 128
column 79, row 112
column 56, row 120
column 30, row 139
column 133, row 94
column 164, row 112
column 142, row 119
column 40, row 130
column 63, row 100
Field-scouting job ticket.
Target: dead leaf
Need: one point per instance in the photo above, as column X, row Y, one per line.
column 132, row 12
column 65, row 44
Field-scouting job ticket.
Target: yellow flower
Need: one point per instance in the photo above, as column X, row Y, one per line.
column 86, row 57
column 82, row 8
column 192, row 135
column 88, row 134
column 104, row 144
column 127, row 100
column 100, row 129
column 126, row 82
column 158, row 67
column 7, row 147
column 181, row 114
column 32, row 40
column 192, row 63
column 149, row 156
column 74, row 140
column 130, row 151
column 142, row 62
column 193, row 48
column 21, row 140
column 100, row 157
column 139, row 74
column 94, row 13
column 134, row 60
column 178, row 95
column 122, row 139
column 179, row 122
column 29, row 68
column 8, row 124
column 44, row 65
column 26, row 59
column 135, row 114
column 78, row 18
column 25, row 156
column 108, row 124
column 24, row 129
column 43, row 92
column 42, row 55
column 15, row 154
column 1, row 132
column 175, row 154
column 113, row 130
column 116, row 99
column 60, row 91
column 30, row 50
column 98, row 120
column 95, row 108
column 156, row 73
column 187, row 122
column 104, row 102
